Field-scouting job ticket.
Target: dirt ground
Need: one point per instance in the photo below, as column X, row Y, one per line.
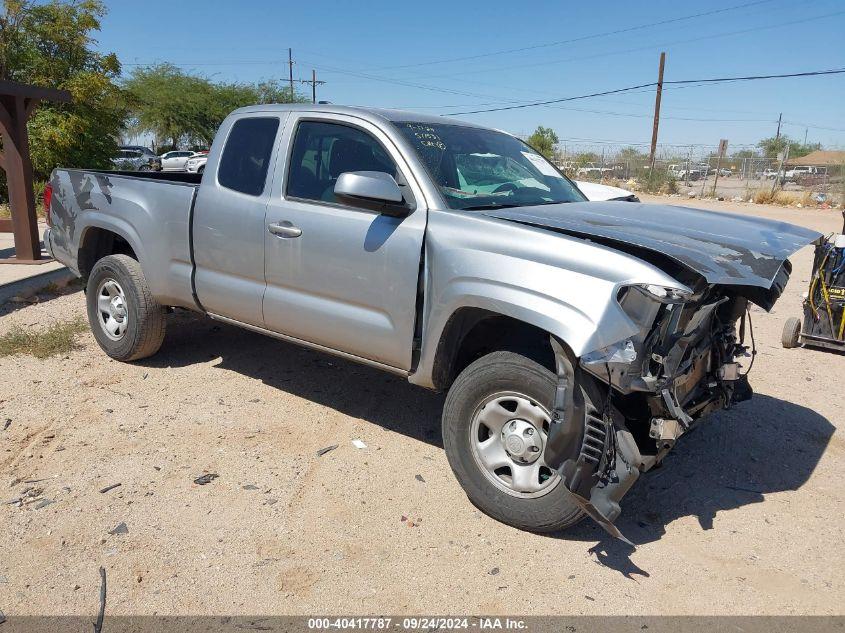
column 744, row 518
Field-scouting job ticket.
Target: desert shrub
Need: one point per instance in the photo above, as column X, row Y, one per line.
column 763, row 196
column 807, row 199
column 659, row 181
column 784, row 198
column 58, row 338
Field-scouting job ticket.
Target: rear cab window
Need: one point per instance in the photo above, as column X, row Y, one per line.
column 246, row 155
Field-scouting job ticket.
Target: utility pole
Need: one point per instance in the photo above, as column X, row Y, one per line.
column 656, row 113
column 777, row 136
column 783, row 157
column 805, row 136
column 314, row 83
column 290, row 68
column 689, row 166
column 601, row 171
column 723, row 148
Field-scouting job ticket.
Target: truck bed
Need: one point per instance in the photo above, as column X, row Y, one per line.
column 151, row 209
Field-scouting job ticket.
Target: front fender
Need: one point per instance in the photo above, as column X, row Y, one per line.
column 567, row 322
column 564, row 286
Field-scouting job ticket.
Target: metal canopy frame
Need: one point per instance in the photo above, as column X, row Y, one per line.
column 17, row 103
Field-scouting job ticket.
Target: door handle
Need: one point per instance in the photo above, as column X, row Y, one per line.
column 284, row 229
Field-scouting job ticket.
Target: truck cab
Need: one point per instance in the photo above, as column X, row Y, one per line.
column 327, row 258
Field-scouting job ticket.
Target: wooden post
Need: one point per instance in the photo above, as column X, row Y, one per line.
column 19, row 177
column 17, row 103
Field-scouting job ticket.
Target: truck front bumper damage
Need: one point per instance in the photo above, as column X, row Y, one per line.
column 621, row 409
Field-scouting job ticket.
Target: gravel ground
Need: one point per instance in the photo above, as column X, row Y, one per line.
column 744, row 518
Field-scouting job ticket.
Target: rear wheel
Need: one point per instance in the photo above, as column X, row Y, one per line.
column 126, row 320
column 495, row 424
column 791, row 332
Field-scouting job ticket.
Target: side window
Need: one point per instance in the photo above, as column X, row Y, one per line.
column 323, row 151
column 246, row 156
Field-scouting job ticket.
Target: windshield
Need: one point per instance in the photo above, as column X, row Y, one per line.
column 476, row 168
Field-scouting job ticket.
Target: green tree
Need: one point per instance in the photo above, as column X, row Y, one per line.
column 772, row 146
column 178, row 107
column 50, row 44
column 630, row 153
column 744, row 153
column 544, row 140
column 585, row 158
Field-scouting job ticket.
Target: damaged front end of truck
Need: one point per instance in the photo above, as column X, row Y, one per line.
column 639, row 396
column 621, row 408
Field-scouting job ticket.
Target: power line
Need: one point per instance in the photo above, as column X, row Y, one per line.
column 812, row 73
column 815, row 127
column 586, row 141
column 609, row 113
column 646, row 47
column 680, row 82
column 399, row 82
column 550, row 101
column 577, row 39
column 434, row 88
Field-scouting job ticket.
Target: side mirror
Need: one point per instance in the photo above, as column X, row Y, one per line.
column 373, row 186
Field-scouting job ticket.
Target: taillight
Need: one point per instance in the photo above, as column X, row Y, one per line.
column 48, row 197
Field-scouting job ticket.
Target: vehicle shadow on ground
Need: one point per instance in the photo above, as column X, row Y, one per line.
column 48, row 293
column 733, row 459
column 345, row 386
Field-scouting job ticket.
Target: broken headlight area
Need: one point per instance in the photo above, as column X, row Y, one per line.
column 684, row 361
column 648, row 390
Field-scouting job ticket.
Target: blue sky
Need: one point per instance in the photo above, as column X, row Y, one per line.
column 394, row 54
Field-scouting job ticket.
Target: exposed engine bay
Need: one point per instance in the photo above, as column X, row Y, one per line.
column 691, row 357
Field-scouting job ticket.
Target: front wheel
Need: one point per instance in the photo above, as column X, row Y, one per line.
column 126, row 320
column 495, row 423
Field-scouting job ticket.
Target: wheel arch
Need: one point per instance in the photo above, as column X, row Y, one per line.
column 473, row 331
column 98, row 240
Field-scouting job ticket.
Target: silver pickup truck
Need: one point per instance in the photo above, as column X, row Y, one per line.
column 577, row 340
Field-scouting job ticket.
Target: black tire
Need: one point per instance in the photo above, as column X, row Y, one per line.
column 144, row 168
column 791, row 333
column 145, row 325
column 201, row 169
column 494, row 373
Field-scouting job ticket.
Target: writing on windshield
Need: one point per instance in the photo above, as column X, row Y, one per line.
column 476, row 168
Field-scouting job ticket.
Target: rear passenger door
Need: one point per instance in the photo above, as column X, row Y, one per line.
column 228, row 222
column 342, row 275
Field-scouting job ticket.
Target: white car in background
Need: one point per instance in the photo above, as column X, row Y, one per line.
column 175, row 160
column 196, row 164
column 600, row 193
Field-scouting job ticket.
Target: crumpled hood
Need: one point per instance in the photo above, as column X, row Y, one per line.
column 724, row 248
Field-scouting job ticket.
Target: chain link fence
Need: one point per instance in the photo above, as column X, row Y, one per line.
column 685, row 173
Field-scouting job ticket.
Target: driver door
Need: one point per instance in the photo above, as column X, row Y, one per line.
column 340, row 275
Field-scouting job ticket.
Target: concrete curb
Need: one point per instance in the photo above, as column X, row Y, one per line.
column 33, row 284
